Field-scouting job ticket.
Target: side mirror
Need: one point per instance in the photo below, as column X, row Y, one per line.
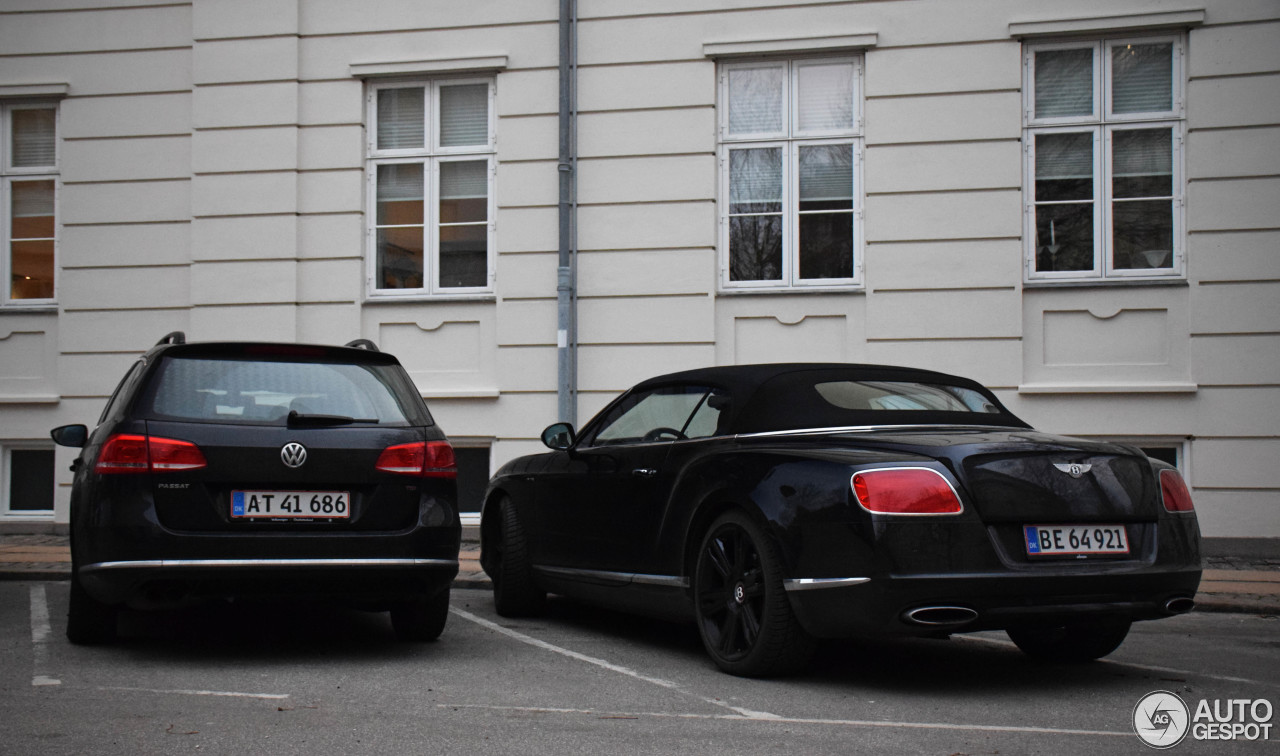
column 70, row 435
column 559, row 436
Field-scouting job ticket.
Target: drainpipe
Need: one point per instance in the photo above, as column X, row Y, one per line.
column 566, row 296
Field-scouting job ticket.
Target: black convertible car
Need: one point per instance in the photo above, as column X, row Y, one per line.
column 777, row 504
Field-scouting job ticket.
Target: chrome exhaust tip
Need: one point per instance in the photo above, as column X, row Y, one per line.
column 1180, row 605
column 940, row 616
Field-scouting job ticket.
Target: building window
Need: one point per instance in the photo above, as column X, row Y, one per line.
column 790, row 163
column 27, row 475
column 430, row 178
column 1103, row 138
column 28, row 194
column 473, row 477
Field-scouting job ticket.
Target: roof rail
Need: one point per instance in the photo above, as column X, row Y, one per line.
column 173, row 337
column 362, row 344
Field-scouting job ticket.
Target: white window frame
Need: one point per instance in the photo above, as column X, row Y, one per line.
column 6, row 480
column 8, row 174
column 790, row 141
column 1103, row 124
column 430, row 156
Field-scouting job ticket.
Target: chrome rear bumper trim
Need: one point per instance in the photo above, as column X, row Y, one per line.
column 809, row 584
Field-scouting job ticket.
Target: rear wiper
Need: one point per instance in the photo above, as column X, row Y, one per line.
column 297, row 418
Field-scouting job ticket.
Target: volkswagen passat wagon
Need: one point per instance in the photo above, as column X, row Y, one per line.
column 260, row 470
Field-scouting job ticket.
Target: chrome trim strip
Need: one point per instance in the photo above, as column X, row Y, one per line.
column 809, row 584
column 666, row 581
column 876, row 429
column 237, row 563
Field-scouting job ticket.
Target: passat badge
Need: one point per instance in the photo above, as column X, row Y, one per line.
column 293, row 454
column 1074, row 469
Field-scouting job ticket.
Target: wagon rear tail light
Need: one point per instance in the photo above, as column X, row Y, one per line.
column 905, row 491
column 1173, row 490
column 429, row 459
column 134, row 453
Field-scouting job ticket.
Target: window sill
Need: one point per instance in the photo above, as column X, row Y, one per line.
column 472, row 393
column 29, row 309
column 374, row 299
column 850, row 289
column 1170, row 387
column 1105, row 284
column 30, row 398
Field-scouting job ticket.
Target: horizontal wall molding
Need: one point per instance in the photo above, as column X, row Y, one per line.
column 1098, row 24
column 34, row 90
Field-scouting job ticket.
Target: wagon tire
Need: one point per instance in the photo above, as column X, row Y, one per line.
column 1076, row 642
column 421, row 620
column 743, row 613
column 89, row 621
column 515, row 592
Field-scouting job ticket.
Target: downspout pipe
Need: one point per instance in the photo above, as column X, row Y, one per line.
column 566, row 284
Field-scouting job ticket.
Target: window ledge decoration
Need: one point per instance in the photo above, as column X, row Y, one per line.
column 430, row 66
column 1109, row 388
column 831, row 44
column 1105, row 24
column 34, row 90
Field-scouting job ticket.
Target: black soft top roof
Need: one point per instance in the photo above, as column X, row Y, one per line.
column 781, row 396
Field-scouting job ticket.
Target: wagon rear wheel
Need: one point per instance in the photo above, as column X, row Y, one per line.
column 743, row 613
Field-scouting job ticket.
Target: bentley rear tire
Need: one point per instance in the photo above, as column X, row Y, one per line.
column 515, row 593
column 1076, row 642
column 743, row 613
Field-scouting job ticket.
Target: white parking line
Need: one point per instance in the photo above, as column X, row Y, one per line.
column 40, row 630
column 220, row 693
column 771, row 719
column 740, row 712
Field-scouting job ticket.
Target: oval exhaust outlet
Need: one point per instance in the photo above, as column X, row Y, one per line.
column 1180, row 605
column 941, row 615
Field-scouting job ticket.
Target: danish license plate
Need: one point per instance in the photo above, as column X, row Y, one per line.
column 1045, row 540
column 290, row 505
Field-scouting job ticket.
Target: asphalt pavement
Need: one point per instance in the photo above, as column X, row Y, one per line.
column 1247, row 586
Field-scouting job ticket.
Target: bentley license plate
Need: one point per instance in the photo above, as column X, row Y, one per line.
column 1048, row 540
column 290, row 505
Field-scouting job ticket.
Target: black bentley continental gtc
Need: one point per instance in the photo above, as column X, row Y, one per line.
column 778, row 504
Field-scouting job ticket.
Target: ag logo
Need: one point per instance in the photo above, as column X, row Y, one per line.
column 293, row 454
column 1161, row 719
column 1074, row 469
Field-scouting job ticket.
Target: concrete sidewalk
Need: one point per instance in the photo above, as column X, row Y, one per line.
column 1229, row 585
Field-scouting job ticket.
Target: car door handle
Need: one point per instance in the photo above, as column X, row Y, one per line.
column 644, row 472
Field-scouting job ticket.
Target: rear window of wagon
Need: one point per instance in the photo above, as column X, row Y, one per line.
column 264, row 391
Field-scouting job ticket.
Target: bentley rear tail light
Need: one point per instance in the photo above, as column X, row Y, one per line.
column 429, row 459
column 1173, row 490
column 905, row 491
column 133, row 453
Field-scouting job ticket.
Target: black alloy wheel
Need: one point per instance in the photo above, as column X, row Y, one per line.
column 743, row 613
column 515, row 593
column 1077, row 642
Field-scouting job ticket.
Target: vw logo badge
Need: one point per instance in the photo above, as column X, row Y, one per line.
column 1073, row 469
column 293, row 454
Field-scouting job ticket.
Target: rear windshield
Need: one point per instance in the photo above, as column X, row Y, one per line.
column 903, row 395
column 257, row 391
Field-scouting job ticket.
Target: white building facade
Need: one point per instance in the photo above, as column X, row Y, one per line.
column 1076, row 203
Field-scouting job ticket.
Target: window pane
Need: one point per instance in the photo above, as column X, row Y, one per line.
column 31, row 246
column 464, row 115
column 1064, row 82
column 32, row 276
column 1142, row 163
column 1064, row 237
column 1064, row 166
column 34, row 138
column 755, row 180
column 464, row 190
column 464, row 256
column 1142, row 78
column 825, row 99
column 1143, row 234
column 826, row 245
column 755, row 100
column 755, row 248
column 400, row 258
column 31, row 480
column 401, row 118
column 662, row 409
column 400, row 190
column 473, row 476
column 826, row 177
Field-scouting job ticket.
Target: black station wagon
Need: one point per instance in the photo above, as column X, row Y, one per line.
column 776, row 504
column 262, row 470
